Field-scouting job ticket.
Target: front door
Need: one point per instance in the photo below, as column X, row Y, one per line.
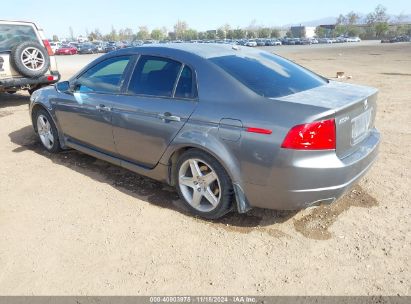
column 85, row 116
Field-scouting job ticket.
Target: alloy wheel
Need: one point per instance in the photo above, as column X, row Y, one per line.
column 45, row 131
column 33, row 59
column 199, row 185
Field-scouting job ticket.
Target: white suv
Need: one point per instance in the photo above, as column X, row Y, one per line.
column 26, row 59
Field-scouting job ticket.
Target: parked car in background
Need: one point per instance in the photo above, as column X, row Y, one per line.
column 231, row 128
column 87, row 48
column 99, row 46
column 66, row 49
column 353, row 39
column 260, row 42
column 110, row 47
column 55, row 46
column 27, row 61
column 251, row 43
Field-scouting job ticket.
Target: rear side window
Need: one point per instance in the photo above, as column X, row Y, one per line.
column 268, row 75
column 186, row 87
column 104, row 77
column 154, row 76
column 10, row 35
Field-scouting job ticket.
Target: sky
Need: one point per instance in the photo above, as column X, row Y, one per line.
column 55, row 17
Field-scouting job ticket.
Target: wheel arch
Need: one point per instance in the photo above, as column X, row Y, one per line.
column 230, row 165
column 34, row 108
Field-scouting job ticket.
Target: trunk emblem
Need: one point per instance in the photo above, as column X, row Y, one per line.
column 366, row 104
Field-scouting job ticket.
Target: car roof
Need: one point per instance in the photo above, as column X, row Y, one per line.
column 204, row 50
column 17, row 22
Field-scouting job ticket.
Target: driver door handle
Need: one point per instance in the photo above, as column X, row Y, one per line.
column 168, row 117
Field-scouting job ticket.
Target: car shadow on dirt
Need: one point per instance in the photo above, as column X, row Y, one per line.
column 144, row 188
column 13, row 100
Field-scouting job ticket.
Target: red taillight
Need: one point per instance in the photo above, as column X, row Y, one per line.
column 259, row 131
column 319, row 135
column 48, row 47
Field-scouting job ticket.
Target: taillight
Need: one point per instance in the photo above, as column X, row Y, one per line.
column 319, row 135
column 48, row 47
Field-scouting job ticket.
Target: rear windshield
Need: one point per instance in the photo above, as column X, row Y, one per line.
column 268, row 75
column 10, row 35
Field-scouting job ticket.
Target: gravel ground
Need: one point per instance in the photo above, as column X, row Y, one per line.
column 72, row 224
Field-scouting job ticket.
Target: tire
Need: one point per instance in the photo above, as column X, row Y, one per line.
column 52, row 144
column 211, row 183
column 32, row 68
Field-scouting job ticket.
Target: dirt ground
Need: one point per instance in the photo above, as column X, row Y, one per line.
column 71, row 224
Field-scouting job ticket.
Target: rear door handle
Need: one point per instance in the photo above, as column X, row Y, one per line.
column 168, row 117
column 102, row 107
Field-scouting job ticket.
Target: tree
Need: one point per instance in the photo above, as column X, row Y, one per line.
column 221, row 34
column 202, row 35
column 157, row 34
column 239, row 34
column 230, row 34
column 275, row 33
column 190, row 34
column 320, row 32
column 211, row 35
column 264, row 32
column 179, row 29
column 55, row 38
column 71, row 33
column 143, row 33
column 378, row 21
column 352, row 18
column 341, row 19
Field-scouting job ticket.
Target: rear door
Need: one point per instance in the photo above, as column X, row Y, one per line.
column 161, row 96
column 85, row 115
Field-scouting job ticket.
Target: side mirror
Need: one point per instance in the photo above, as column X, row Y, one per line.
column 63, row 87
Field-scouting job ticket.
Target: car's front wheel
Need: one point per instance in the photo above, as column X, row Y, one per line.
column 46, row 130
column 204, row 185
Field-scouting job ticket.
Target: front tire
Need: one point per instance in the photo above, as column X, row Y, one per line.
column 203, row 184
column 46, row 130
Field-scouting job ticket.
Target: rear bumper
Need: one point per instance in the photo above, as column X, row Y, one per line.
column 307, row 179
column 17, row 83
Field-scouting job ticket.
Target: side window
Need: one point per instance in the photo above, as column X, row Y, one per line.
column 155, row 76
column 105, row 77
column 187, row 87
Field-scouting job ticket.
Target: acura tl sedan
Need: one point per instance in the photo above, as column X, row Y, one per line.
column 230, row 127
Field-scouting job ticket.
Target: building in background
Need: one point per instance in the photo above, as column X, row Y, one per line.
column 302, row 31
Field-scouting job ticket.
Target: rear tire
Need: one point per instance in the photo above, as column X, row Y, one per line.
column 203, row 184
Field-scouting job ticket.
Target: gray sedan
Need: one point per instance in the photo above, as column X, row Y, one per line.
column 231, row 127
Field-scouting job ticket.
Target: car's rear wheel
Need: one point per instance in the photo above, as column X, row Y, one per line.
column 46, row 130
column 204, row 185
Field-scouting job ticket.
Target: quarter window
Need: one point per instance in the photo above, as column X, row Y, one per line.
column 104, row 77
column 154, row 76
column 187, row 87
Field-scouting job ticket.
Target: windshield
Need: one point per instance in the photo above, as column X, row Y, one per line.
column 268, row 75
column 11, row 34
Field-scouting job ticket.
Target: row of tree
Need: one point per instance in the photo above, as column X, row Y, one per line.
column 376, row 26
column 181, row 32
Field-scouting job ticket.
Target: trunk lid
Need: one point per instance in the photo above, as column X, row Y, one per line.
column 354, row 110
